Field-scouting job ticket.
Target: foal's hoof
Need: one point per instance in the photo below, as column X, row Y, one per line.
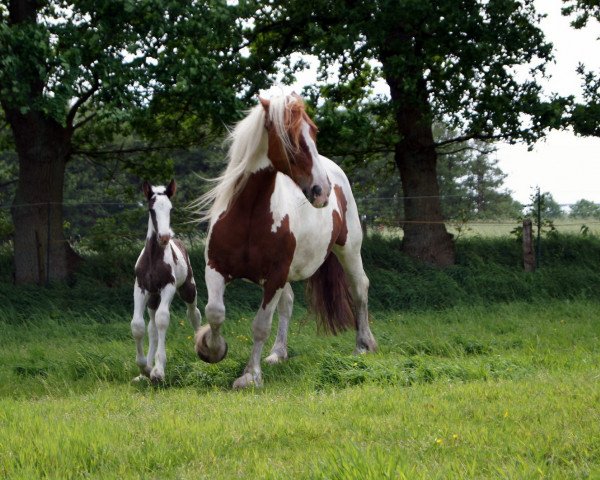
column 276, row 357
column 156, row 376
column 140, row 379
column 205, row 353
column 248, row 380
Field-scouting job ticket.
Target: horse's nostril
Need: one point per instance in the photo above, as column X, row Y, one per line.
column 316, row 190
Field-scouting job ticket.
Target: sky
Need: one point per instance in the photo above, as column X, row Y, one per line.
column 563, row 164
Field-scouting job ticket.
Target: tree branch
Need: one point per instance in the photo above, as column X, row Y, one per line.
column 80, row 101
column 126, row 151
column 10, row 182
column 473, row 136
column 468, row 147
column 84, row 121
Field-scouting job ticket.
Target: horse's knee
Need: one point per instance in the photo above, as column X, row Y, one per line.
column 162, row 319
column 138, row 327
column 215, row 313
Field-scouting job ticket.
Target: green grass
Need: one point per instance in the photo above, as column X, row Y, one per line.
column 506, row 391
column 483, row 371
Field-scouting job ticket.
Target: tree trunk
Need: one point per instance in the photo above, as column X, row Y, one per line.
column 41, row 253
column 425, row 235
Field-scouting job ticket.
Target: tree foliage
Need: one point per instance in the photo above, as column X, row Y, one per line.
column 585, row 209
column 448, row 61
column 585, row 117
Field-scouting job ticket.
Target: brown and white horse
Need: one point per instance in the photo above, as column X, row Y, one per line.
column 282, row 212
column 162, row 269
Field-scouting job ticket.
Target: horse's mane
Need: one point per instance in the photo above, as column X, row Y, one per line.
column 248, row 146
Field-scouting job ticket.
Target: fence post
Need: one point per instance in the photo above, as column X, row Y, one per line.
column 528, row 256
column 538, row 252
column 363, row 224
column 48, row 211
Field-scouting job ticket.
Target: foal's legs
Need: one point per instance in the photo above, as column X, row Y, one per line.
column 261, row 327
column 138, row 328
column 210, row 344
column 359, row 287
column 193, row 315
column 279, row 351
column 152, row 337
column 162, row 323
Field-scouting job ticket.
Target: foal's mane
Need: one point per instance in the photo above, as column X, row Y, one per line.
column 248, row 147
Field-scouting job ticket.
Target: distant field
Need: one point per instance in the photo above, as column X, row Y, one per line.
column 502, row 228
column 500, row 391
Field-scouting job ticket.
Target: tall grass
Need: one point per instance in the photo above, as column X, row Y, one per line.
column 483, row 371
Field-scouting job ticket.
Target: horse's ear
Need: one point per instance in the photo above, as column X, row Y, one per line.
column 265, row 103
column 171, row 188
column 147, row 189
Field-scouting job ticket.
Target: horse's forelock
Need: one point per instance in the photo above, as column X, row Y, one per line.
column 287, row 114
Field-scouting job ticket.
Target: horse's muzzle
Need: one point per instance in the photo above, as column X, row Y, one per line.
column 163, row 240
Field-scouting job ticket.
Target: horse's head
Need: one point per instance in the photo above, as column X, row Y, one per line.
column 159, row 205
column 293, row 149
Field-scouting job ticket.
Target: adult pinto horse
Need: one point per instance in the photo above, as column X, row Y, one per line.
column 282, row 212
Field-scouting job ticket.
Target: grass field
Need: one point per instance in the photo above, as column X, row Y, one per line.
column 507, row 390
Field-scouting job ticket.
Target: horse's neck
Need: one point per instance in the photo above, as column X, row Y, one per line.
column 152, row 247
column 151, row 233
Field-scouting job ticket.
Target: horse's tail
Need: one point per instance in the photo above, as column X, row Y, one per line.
column 329, row 297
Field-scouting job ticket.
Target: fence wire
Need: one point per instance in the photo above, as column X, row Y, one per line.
column 94, row 222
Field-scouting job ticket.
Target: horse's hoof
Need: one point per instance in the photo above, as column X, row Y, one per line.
column 157, row 376
column 367, row 345
column 205, row 353
column 140, row 379
column 276, row 357
column 248, row 380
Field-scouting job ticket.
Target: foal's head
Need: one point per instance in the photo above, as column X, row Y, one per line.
column 293, row 149
column 159, row 205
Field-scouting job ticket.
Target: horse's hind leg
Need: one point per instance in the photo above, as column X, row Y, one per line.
column 138, row 328
column 261, row 327
column 359, row 288
column 187, row 292
column 193, row 315
column 210, row 344
column 162, row 319
column 279, row 351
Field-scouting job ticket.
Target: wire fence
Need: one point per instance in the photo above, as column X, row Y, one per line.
column 95, row 224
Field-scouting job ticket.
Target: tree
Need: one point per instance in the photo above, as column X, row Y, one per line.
column 585, row 209
column 585, row 117
column 447, row 60
column 546, row 205
column 72, row 74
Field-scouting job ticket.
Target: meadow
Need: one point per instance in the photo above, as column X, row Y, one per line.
column 483, row 371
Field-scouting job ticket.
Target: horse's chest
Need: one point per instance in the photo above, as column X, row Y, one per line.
column 153, row 274
column 242, row 249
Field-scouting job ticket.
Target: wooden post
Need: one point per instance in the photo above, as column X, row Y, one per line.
column 528, row 253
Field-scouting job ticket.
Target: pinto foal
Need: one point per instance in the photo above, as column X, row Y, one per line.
column 162, row 269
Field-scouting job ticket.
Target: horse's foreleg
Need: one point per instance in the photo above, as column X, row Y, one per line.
column 210, row 344
column 261, row 327
column 138, row 328
column 152, row 338
column 162, row 319
column 359, row 288
column 279, row 351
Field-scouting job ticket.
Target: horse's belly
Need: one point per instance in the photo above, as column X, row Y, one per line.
column 310, row 253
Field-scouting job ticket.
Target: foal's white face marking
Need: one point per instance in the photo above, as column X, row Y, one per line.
column 319, row 175
column 161, row 207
